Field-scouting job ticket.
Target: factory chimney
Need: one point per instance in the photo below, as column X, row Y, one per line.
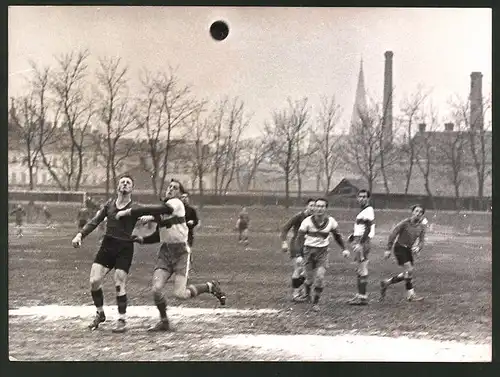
column 476, row 101
column 388, row 92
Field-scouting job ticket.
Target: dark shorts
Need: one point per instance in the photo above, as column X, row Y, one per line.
column 365, row 249
column 115, row 254
column 173, row 258
column 403, row 254
column 242, row 226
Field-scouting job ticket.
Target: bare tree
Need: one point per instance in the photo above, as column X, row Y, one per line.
column 228, row 122
column 426, row 149
column 411, row 109
column 285, row 134
column 163, row 108
column 327, row 140
column 362, row 147
column 24, row 120
column 75, row 109
column 252, row 153
column 116, row 114
column 479, row 140
column 200, row 157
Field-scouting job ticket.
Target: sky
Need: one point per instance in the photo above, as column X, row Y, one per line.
column 271, row 54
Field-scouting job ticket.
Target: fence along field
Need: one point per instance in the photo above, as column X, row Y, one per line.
column 453, row 274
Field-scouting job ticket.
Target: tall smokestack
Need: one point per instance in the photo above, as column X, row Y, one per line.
column 387, row 125
column 476, row 101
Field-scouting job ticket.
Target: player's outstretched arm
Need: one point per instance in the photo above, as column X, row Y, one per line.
column 146, row 210
column 338, row 238
column 395, row 232
column 94, row 223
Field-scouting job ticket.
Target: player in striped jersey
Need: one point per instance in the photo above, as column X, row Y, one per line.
column 408, row 238
column 314, row 235
column 173, row 256
column 294, row 248
column 364, row 231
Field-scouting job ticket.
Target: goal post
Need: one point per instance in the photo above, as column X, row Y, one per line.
column 47, row 196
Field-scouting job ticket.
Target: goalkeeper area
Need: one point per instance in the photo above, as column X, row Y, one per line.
column 50, row 303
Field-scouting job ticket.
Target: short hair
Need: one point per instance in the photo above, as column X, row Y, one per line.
column 310, row 200
column 181, row 187
column 323, row 200
column 126, row 175
column 419, row 206
column 368, row 194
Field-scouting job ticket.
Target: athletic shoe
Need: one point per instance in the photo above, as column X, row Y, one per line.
column 162, row 325
column 358, row 301
column 218, row 293
column 98, row 319
column 120, row 327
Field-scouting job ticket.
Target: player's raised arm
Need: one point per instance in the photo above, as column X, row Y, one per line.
column 161, row 209
column 95, row 221
column 395, row 233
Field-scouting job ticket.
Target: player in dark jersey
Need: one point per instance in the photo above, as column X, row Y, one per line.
column 242, row 226
column 293, row 247
column 192, row 221
column 408, row 238
column 20, row 213
column 116, row 251
column 82, row 217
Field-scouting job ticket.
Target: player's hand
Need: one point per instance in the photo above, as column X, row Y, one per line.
column 138, row 239
column 346, row 253
column 190, row 222
column 387, row 254
column 122, row 213
column 415, row 249
column 146, row 219
column 300, row 260
column 284, row 246
column 77, row 241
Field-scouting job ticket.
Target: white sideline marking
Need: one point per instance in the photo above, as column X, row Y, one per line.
column 359, row 348
column 52, row 312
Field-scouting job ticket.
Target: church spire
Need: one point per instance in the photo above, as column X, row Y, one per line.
column 360, row 106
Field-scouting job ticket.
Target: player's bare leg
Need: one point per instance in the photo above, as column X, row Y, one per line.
column 298, row 278
column 160, row 278
column 97, row 274
column 408, row 275
column 361, row 298
column 319, row 279
column 184, row 292
column 121, row 300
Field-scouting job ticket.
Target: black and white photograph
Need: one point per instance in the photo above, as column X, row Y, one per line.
column 249, row 184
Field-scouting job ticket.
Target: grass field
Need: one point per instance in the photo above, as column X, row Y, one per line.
column 50, row 303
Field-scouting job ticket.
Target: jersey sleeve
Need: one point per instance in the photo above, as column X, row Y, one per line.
column 335, row 224
column 96, row 220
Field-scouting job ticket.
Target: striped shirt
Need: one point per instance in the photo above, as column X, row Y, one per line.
column 364, row 219
column 317, row 235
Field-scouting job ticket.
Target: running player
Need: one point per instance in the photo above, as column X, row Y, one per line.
column 298, row 274
column 242, row 226
column 314, row 235
column 48, row 216
column 408, row 238
column 20, row 213
column 364, row 230
column 116, row 251
column 173, row 256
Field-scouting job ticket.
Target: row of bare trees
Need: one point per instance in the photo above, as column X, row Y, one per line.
column 62, row 104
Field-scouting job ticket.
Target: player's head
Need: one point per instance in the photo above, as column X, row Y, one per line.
column 44, row 208
column 175, row 189
column 185, row 198
column 363, row 197
column 125, row 184
column 320, row 206
column 417, row 212
column 310, row 206
column 19, row 206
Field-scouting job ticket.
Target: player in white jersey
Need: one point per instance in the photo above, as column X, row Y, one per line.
column 173, row 256
column 314, row 239
column 364, row 230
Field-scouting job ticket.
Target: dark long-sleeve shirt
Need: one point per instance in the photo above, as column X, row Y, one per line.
column 407, row 232
column 294, row 224
column 118, row 229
